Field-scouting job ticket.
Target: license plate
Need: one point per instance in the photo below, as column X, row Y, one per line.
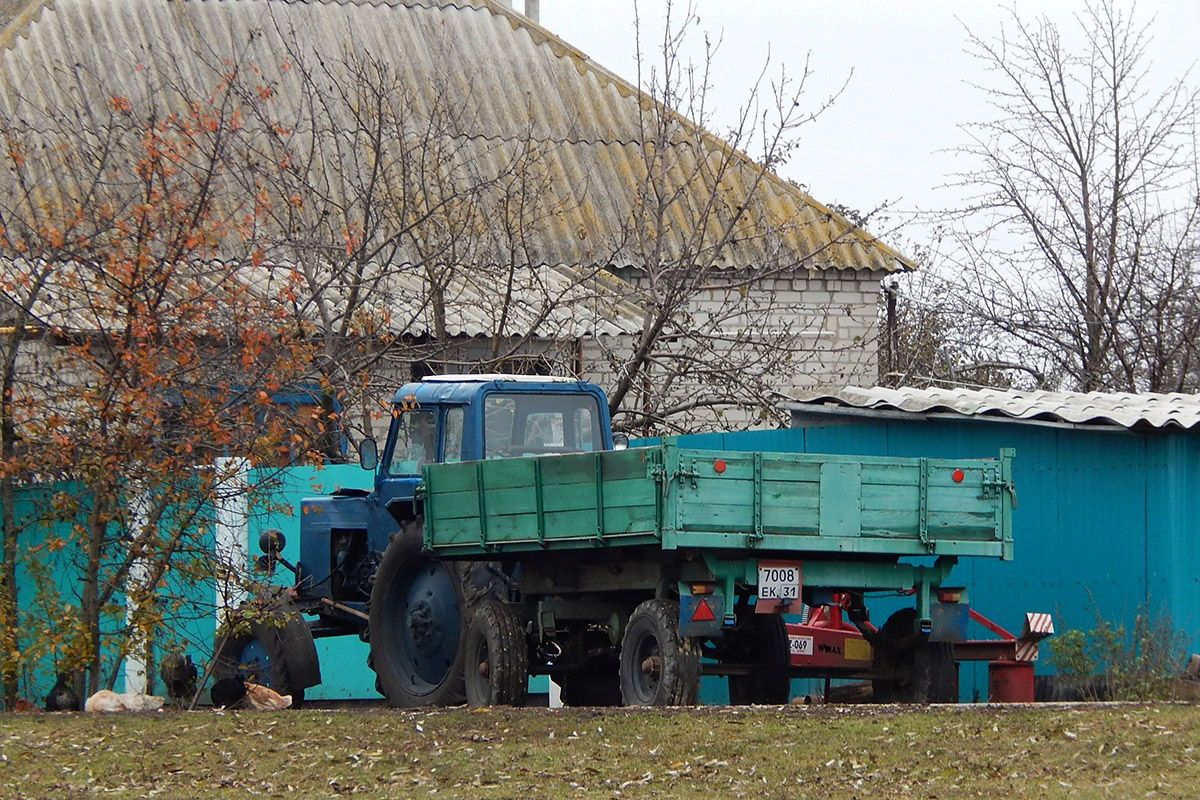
column 800, row 645
column 779, row 580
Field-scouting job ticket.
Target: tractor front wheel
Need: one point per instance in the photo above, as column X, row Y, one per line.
column 270, row 646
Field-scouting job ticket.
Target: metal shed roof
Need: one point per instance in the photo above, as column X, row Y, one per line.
column 513, row 78
column 1161, row 411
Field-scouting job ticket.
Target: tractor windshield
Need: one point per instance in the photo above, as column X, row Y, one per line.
column 521, row 424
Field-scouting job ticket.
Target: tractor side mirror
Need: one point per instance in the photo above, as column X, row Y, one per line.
column 620, row 441
column 368, row 454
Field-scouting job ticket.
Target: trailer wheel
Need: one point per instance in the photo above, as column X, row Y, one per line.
column 762, row 640
column 598, row 683
column 417, row 635
column 658, row 666
column 497, row 660
column 924, row 671
column 273, row 648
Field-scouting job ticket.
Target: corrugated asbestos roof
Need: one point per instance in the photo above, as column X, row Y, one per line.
column 1079, row 408
column 514, row 78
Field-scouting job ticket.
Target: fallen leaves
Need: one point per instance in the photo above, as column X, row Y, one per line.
column 533, row 753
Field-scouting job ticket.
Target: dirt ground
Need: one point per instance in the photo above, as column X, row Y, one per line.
column 832, row 751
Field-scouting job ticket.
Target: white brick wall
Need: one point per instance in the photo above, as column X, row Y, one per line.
column 832, row 319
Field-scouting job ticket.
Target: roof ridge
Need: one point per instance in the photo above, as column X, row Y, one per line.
column 1128, row 410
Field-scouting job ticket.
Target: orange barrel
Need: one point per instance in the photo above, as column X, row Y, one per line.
column 1010, row 681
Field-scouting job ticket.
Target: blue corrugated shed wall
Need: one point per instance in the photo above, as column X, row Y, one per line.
column 1104, row 520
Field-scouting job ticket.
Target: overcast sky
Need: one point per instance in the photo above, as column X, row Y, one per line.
column 885, row 138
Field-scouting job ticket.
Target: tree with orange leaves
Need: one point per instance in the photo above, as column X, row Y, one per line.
column 142, row 339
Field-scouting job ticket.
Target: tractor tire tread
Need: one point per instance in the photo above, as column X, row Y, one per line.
column 450, row 691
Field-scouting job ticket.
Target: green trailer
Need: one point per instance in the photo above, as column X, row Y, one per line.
column 626, row 574
column 671, row 498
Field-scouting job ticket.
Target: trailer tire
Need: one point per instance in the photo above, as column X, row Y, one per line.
column 658, row 667
column 762, row 641
column 271, row 647
column 598, row 683
column 925, row 672
column 416, row 623
column 497, row 659
column 929, row 676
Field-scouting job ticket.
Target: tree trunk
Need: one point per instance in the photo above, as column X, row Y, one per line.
column 89, row 610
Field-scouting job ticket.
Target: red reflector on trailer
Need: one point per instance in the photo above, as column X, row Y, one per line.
column 718, row 466
column 957, row 476
column 703, row 613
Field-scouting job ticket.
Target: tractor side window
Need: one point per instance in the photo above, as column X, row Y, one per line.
column 452, row 436
column 498, row 413
column 416, row 442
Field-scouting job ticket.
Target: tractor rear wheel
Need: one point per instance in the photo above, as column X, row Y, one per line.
column 416, row 625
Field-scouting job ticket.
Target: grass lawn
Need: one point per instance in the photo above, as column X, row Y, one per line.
column 1118, row 751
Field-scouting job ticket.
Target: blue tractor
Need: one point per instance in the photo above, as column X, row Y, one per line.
column 362, row 569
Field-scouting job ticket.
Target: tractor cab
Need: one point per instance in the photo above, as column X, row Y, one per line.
column 441, row 418
column 449, row 418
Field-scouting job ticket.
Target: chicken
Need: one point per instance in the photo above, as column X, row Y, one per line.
column 264, row 698
column 136, row 701
column 234, row 693
column 107, row 701
column 104, row 701
column 228, row 693
column 179, row 675
column 62, row 697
